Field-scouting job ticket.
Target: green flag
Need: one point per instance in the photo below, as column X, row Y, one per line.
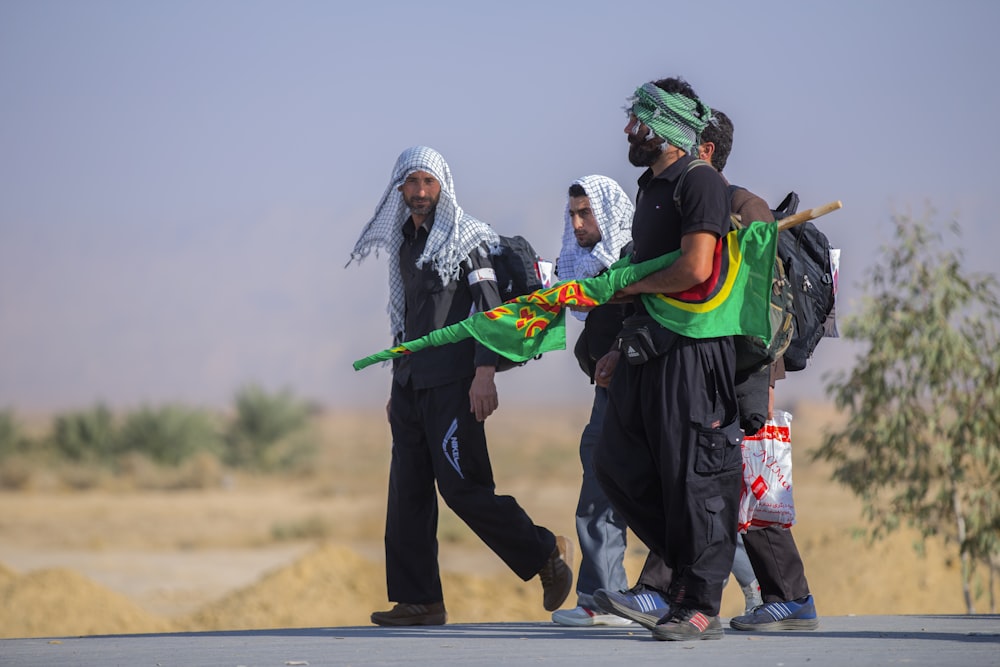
column 734, row 300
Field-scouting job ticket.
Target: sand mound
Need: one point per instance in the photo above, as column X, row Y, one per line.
column 59, row 602
column 329, row 586
column 334, row 586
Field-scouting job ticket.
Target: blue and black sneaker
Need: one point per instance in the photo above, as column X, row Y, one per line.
column 640, row 603
column 794, row 615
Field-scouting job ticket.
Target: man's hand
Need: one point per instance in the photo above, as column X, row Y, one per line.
column 622, row 296
column 617, row 298
column 388, row 410
column 483, row 393
column 605, row 368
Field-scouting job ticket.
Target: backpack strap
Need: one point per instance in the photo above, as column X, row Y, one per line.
column 680, row 181
column 788, row 206
column 738, row 196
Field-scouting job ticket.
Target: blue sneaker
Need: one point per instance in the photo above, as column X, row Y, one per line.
column 795, row 615
column 641, row 604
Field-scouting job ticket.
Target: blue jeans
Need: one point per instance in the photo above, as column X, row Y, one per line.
column 599, row 528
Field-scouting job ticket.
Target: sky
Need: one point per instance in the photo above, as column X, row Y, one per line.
column 181, row 183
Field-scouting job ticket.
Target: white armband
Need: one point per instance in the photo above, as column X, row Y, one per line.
column 480, row 275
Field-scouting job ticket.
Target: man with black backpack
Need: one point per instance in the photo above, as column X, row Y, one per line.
column 788, row 604
column 440, row 268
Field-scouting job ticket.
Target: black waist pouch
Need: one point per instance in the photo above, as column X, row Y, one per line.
column 642, row 338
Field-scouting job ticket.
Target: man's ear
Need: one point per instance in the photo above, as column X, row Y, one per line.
column 399, row 188
column 706, row 150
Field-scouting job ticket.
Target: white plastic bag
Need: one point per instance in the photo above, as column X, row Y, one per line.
column 766, row 498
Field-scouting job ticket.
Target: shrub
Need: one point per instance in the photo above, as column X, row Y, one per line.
column 86, row 436
column 11, row 441
column 259, row 436
column 309, row 528
column 170, row 434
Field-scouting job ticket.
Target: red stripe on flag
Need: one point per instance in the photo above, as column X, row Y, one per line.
column 704, row 290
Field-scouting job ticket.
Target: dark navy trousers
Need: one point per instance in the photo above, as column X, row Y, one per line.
column 435, row 438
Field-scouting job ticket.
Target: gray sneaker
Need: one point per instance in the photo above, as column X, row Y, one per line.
column 688, row 624
column 582, row 616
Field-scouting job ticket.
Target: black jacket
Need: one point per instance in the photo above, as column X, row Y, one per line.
column 431, row 304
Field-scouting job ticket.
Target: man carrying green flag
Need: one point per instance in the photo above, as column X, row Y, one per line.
column 670, row 458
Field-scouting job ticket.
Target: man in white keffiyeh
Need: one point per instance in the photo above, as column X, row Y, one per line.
column 440, row 270
column 597, row 229
column 598, row 225
column 454, row 236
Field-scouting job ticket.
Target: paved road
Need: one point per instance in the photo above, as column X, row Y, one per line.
column 854, row 641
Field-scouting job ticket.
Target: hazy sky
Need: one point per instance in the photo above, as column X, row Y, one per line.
column 181, row 183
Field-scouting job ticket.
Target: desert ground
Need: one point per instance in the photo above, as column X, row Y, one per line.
column 305, row 550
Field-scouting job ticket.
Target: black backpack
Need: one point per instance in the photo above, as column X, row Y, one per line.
column 802, row 294
column 516, row 267
column 805, row 252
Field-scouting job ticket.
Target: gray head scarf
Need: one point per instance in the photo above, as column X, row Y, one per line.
column 452, row 238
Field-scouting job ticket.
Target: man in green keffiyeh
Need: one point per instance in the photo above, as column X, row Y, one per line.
column 675, row 118
column 669, row 458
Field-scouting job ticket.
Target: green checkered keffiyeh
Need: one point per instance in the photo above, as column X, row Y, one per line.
column 672, row 116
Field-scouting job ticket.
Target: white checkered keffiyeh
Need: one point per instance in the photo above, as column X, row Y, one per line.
column 454, row 235
column 613, row 211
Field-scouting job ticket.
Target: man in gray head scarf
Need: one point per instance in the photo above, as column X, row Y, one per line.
column 440, row 270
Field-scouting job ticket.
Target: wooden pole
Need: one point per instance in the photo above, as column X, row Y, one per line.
column 808, row 214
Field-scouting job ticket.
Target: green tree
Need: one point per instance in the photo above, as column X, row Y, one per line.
column 923, row 400
column 262, row 424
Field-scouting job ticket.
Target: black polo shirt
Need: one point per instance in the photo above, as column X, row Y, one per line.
column 430, row 305
column 657, row 226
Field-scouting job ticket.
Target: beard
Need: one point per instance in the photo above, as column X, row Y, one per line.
column 585, row 240
column 421, row 205
column 644, row 152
